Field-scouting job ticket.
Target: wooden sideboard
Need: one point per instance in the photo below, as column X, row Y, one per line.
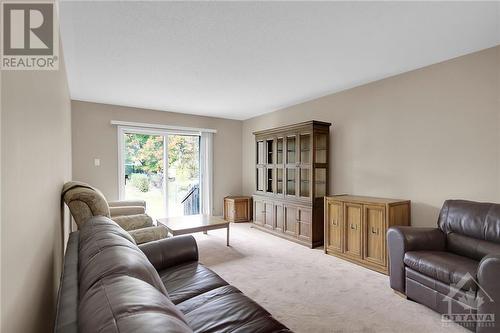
column 238, row 209
column 356, row 228
column 291, row 173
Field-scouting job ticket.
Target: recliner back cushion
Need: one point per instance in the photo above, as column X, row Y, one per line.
column 472, row 228
column 106, row 250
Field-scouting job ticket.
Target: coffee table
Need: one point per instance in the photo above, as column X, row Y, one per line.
column 189, row 224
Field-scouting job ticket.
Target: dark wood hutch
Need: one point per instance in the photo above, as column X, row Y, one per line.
column 291, row 174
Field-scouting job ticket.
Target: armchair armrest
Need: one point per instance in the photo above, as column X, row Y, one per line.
column 402, row 239
column 488, row 274
column 126, row 210
column 168, row 252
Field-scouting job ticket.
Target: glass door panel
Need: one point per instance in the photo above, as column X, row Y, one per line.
column 305, row 183
column 321, row 148
column 279, row 180
column 260, row 152
column 279, row 151
column 290, row 149
column 305, row 148
column 290, row 181
column 269, row 146
column 260, row 179
column 320, row 183
column 183, row 182
column 269, row 180
column 144, row 171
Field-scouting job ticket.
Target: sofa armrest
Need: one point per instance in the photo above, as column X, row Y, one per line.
column 168, row 252
column 488, row 274
column 121, row 203
column 402, row 239
column 126, row 210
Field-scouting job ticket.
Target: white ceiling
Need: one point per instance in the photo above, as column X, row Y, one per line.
column 241, row 59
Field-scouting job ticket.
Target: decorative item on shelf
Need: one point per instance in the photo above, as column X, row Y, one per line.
column 238, row 208
column 291, row 181
column 356, row 228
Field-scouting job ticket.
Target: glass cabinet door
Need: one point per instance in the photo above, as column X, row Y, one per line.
column 320, row 183
column 279, row 180
column 305, row 183
column 321, row 148
column 269, row 150
column 269, row 180
column 305, row 148
column 290, row 181
column 291, row 149
column 260, row 179
column 279, row 151
column 260, row 152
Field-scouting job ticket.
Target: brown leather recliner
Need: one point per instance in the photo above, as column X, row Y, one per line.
column 455, row 268
column 109, row 284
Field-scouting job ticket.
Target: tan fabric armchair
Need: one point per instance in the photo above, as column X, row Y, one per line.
column 85, row 201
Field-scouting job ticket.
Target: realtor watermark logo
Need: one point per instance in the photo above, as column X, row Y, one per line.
column 30, row 36
column 470, row 301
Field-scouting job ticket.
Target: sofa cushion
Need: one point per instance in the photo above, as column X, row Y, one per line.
column 106, row 250
column 444, row 266
column 127, row 304
column 226, row 309
column 189, row 280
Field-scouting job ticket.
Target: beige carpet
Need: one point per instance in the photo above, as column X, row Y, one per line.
column 309, row 291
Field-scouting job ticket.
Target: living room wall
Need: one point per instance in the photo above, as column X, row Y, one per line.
column 35, row 163
column 95, row 137
column 425, row 135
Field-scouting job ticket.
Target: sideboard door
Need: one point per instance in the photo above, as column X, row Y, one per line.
column 374, row 234
column 335, row 226
column 353, row 237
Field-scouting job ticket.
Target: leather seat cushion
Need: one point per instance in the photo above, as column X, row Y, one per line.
column 188, row 280
column 444, row 266
column 226, row 309
column 127, row 304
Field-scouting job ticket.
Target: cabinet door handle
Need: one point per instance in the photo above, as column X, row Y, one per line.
column 335, row 223
column 354, row 226
column 374, row 230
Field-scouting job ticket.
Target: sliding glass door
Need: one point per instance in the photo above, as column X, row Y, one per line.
column 163, row 169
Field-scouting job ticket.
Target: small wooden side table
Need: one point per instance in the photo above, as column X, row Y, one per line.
column 238, row 208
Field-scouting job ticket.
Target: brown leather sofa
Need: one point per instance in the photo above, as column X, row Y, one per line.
column 453, row 269
column 109, row 284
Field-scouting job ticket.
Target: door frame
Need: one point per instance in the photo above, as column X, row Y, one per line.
column 122, row 130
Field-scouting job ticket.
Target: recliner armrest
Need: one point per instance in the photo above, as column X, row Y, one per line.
column 401, row 239
column 488, row 274
column 168, row 252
